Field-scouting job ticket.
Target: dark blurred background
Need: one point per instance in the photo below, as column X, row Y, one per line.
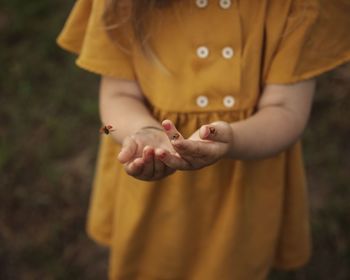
column 49, row 138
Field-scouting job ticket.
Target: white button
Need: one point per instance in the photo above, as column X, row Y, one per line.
column 227, row 52
column 225, row 4
column 201, row 3
column 202, row 52
column 229, row 101
column 202, row 101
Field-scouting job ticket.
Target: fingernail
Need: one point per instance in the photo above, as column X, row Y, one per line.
column 162, row 155
column 167, row 126
column 206, row 132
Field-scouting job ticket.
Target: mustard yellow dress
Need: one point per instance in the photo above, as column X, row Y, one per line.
column 234, row 219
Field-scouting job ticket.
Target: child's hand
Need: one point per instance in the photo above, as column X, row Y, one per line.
column 137, row 154
column 206, row 146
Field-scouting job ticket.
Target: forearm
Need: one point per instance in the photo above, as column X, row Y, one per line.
column 127, row 115
column 265, row 134
column 122, row 108
column 282, row 115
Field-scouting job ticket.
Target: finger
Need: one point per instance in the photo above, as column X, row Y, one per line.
column 192, row 151
column 135, row 167
column 171, row 160
column 191, row 148
column 153, row 169
column 168, row 170
column 171, row 130
column 217, row 131
column 159, row 169
column 195, row 152
column 148, row 166
column 128, row 150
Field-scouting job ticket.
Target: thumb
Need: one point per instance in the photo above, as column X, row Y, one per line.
column 128, row 150
column 217, row 131
column 171, row 130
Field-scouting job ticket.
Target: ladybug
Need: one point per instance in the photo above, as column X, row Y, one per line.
column 106, row 129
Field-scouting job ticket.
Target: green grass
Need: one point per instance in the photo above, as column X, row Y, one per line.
column 48, row 125
column 48, row 143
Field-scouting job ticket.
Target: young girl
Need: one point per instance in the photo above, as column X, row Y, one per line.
column 202, row 177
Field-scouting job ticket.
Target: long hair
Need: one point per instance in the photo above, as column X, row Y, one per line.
column 132, row 13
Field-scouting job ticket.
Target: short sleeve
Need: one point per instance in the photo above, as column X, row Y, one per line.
column 315, row 39
column 86, row 34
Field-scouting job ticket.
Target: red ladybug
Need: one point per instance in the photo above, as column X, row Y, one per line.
column 106, row 129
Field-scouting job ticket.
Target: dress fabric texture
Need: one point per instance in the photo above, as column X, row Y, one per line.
column 234, row 219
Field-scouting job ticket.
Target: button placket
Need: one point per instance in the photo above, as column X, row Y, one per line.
column 229, row 101
column 201, row 3
column 227, row 52
column 225, row 4
column 202, row 101
column 202, row 52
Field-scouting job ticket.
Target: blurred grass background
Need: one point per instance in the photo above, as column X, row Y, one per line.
column 48, row 143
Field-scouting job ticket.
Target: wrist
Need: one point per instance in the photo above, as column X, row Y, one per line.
column 151, row 127
column 231, row 152
column 119, row 135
